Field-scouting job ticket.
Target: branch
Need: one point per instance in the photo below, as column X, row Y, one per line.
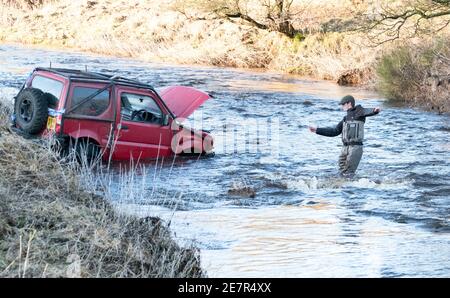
column 442, row 2
column 248, row 19
column 391, row 23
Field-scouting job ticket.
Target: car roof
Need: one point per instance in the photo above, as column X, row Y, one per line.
column 95, row 77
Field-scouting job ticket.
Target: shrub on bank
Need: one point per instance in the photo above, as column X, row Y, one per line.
column 417, row 74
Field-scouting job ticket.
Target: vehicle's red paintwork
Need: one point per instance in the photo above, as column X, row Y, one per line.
column 96, row 128
column 140, row 140
column 124, row 140
column 183, row 101
column 62, row 97
column 57, row 78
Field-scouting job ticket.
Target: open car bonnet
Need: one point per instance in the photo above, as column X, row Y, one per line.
column 183, row 101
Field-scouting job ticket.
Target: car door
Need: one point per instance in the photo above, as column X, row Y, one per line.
column 93, row 119
column 140, row 133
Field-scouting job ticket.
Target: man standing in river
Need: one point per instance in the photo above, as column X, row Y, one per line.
column 352, row 129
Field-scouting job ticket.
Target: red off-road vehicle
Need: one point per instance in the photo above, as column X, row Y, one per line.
column 112, row 115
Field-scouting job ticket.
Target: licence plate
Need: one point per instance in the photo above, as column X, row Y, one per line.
column 51, row 123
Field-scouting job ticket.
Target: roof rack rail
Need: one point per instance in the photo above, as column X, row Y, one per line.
column 89, row 76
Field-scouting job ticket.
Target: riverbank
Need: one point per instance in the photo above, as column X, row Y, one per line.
column 160, row 32
column 165, row 32
column 53, row 225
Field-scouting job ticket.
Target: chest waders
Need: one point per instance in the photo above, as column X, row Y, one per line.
column 352, row 138
column 353, row 132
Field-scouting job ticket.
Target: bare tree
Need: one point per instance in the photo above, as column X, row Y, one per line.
column 275, row 14
column 398, row 19
column 279, row 16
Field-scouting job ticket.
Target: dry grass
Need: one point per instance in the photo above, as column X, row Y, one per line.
column 52, row 225
column 156, row 31
column 5, row 112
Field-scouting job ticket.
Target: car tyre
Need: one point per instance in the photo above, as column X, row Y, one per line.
column 31, row 110
column 87, row 152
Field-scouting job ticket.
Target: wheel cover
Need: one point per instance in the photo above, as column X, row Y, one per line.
column 26, row 110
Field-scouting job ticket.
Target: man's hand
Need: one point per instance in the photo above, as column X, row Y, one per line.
column 312, row 129
column 377, row 110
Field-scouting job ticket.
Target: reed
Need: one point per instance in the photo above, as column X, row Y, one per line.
column 57, row 219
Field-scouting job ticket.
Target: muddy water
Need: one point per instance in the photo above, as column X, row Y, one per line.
column 270, row 202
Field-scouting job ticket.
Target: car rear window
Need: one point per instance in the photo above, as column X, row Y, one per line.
column 93, row 107
column 50, row 86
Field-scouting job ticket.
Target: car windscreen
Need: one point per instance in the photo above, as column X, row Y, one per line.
column 135, row 102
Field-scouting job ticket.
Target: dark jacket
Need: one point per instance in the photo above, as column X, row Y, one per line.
column 357, row 113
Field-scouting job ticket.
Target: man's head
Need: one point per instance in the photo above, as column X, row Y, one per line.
column 347, row 102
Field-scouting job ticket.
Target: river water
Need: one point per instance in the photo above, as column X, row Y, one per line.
column 270, row 202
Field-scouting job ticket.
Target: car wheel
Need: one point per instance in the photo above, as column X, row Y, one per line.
column 31, row 110
column 87, row 152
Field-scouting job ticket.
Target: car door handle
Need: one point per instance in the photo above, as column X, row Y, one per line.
column 122, row 127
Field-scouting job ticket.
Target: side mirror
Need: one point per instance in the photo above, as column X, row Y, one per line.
column 165, row 120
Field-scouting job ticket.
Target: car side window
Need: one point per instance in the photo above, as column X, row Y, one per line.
column 93, row 107
column 51, row 88
column 140, row 108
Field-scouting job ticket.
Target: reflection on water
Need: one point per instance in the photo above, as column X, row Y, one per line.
column 294, row 217
column 300, row 241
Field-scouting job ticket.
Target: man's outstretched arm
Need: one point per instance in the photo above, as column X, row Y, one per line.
column 371, row 112
column 328, row 131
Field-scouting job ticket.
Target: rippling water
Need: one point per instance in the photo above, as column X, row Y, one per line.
column 300, row 219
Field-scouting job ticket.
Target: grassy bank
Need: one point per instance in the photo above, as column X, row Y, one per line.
column 52, row 225
column 159, row 31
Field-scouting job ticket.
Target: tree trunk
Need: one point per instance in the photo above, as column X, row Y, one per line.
column 284, row 24
column 286, row 27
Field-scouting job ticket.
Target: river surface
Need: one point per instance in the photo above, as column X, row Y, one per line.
column 270, row 202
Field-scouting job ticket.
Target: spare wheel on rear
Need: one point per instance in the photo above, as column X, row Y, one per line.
column 31, row 110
